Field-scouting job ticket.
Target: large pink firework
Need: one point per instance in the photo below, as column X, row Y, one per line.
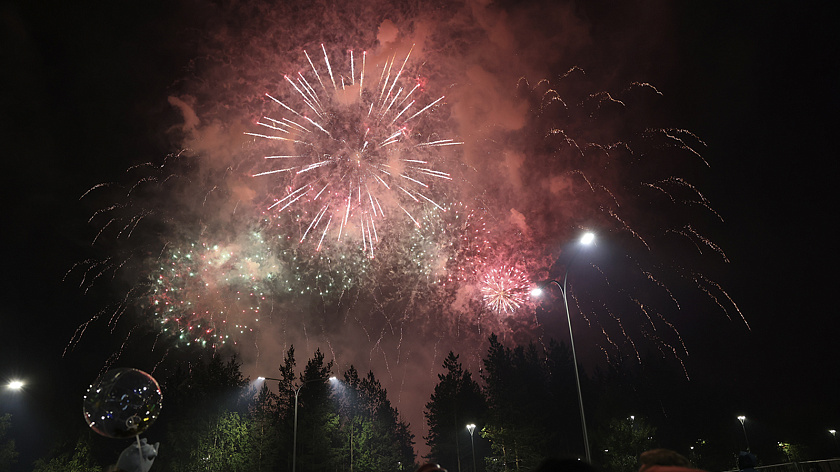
column 350, row 150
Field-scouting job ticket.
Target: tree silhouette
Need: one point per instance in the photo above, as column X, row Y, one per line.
column 456, row 401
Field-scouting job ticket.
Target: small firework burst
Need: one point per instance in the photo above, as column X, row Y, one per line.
column 211, row 294
column 505, row 289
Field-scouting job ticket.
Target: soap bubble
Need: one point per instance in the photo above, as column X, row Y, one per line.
column 122, row 403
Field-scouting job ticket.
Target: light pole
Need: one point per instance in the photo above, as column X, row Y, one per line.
column 833, row 433
column 294, row 431
column 585, row 240
column 471, row 428
column 742, row 419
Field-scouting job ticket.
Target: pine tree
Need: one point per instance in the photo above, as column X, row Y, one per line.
column 456, row 401
column 317, row 418
column 197, row 399
column 528, row 395
column 377, row 440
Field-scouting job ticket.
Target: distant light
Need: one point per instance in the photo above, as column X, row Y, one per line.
column 15, row 385
column 536, row 292
column 333, row 378
column 260, row 378
column 742, row 419
column 471, row 428
column 833, row 432
column 587, row 238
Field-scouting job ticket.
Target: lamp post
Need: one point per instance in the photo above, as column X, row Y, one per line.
column 294, row 431
column 833, row 433
column 587, row 239
column 743, row 419
column 471, row 428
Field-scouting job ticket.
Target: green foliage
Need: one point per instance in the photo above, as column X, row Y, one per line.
column 224, row 445
column 79, row 460
column 8, row 453
column 793, row 452
column 373, row 436
column 623, row 441
column 266, row 436
column 198, row 403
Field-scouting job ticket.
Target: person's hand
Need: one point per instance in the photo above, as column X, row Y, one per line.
column 138, row 458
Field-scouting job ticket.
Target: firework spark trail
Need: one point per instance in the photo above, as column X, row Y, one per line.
column 608, row 170
column 689, row 231
column 356, row 160
column 653, row 279
column 700, row 277
column 623, row 332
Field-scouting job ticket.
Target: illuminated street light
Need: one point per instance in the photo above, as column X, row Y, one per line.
column 742, row 419
column 297, row 392
column 587, row 239
column 15, row 385
column 471, row 428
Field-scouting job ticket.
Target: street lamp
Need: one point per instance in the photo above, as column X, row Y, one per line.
column 742, row 419
column 585, row 240
column 833, row 433
column 297, row 392
column 471, row 428
column 15, row 385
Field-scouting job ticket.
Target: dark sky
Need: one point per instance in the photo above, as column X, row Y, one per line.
column 86, row 94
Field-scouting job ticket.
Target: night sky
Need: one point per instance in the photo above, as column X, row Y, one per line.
column 89, row 91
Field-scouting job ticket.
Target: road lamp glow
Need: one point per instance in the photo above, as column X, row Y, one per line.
column 743, row 419
column 585, row 240
column 15, row 385
column 471, row 428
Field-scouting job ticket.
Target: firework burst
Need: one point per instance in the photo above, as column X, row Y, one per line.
column 212, row 294
column 506, row 289
column 351, row 151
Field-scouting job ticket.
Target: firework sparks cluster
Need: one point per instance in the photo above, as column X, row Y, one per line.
column 350, row 200
column 351, row 152
column 211, row 294
column 506, row 290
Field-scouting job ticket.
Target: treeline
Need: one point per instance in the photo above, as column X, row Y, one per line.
column 214, row 419
column 525, row 408
column 524, row 403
